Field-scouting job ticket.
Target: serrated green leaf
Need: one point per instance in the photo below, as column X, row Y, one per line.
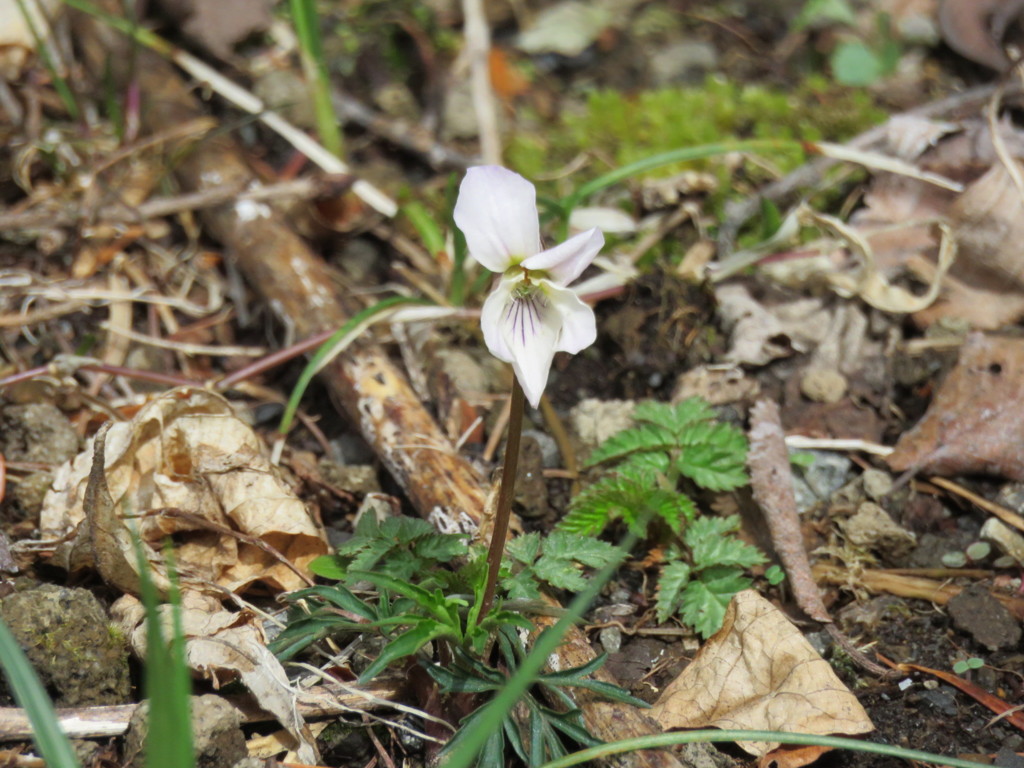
column 405, row 644
column 583, row 549
column 711, row 543
column 676, row 418
column 522, row 585
column 561, row 574
column 646, row 437
column 367, row 554
column 585, row 520
column 441, row 547
column 645, row 467
column 713, row 468
column 672, row 580
column 676, row 509
column 524, row 548
column 705, row 599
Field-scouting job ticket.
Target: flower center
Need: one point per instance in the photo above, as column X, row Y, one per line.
column 523, row 312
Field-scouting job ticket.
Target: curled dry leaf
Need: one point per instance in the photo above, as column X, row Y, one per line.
column 224, row 646
column 758, row 672
column 186, row 466
column 987, row 285
column 975, row 422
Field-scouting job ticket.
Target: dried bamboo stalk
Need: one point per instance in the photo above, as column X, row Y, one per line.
column 305, row 293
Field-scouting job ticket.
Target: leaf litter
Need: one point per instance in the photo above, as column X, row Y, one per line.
column 185, row 464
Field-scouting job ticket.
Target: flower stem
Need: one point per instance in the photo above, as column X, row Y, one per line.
column 505, row 493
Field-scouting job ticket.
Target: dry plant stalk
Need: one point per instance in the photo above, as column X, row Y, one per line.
column 771, row 480
column 772, row 483
column 304, row 292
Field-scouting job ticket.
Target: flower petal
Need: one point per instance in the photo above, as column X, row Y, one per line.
column 497, row 212
column 565, row 262
column 579, row 326
column 491, row 315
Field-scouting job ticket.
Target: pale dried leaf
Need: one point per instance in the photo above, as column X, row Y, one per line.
column 758, row 672
column 223, row 646
column 183, row 452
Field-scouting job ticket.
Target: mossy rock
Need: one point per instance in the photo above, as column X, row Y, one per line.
column 70, row 642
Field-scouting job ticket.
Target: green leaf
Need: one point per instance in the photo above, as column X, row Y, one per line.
column 522, row 585
column 693, row 410
column 718, row 462
column 646, row 437
column 561, row 574
column 672, row 580
column 524, row 548
column 459, row 680
column 441, row 547
column 705, row 599
column 329, row 567
column 621, row 495
column 775, row 575
column 583, row 549
column 676, row 509
column 854, row 63
column 818, row 13
column 405, row 644
column 435, row 603
column 338, row 596
column 587, row 519
column 711, row 543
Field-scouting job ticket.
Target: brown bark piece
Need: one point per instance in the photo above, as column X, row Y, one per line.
column 303, row 291
column 976, row 421
column 772, row 483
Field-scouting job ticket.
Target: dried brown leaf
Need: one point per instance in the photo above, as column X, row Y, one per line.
column 184, row 465
column 223, row 646
column 975, row 422
column 758, row 672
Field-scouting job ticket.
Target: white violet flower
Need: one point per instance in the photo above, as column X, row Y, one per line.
column 530, row 314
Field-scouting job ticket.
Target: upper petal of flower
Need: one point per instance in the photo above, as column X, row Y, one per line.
column 565, row 262
column 497, row 212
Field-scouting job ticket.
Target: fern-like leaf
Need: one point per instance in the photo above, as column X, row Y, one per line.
column 711, row 542
column 706, row 597
column 672, row 581
column 714, row 457
column 618, row 496
column 677, row 418
column 646, row 437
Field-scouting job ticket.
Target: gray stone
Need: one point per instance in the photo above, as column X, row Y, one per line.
column 217, row 737
column 37, row 432
column 70, row 642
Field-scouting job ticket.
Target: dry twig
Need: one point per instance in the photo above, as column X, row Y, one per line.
column 772, row 483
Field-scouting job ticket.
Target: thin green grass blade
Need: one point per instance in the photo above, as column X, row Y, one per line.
column 166, row 679
column 661, row 740
column 314, row 63
column 49, row 739
column 60, row 83
column 334, row 346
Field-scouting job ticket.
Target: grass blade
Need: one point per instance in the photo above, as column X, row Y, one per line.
column 307, row 29
column 49, row 739
column 166, row 681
